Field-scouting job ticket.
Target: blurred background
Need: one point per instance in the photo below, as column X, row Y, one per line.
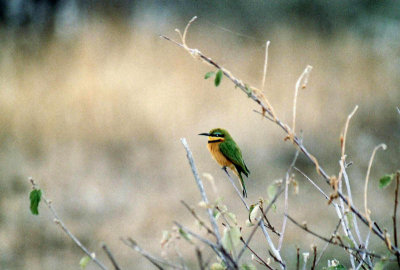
column 93, row 104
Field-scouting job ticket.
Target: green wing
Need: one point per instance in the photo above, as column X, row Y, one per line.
column 232, row 152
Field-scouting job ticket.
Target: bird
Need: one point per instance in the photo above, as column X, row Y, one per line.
column 226, row 153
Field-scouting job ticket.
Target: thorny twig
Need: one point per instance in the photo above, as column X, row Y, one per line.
column 59, row 222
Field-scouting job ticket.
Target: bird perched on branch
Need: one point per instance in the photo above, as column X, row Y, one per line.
column 226, row 153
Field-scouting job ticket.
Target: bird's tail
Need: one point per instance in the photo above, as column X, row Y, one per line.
column 243, row 185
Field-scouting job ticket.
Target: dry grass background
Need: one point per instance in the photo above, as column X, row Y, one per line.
column 96, row 118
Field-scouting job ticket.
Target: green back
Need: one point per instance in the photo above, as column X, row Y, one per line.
column 232, row 152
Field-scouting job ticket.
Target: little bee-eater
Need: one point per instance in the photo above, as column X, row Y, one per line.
column 226, row 153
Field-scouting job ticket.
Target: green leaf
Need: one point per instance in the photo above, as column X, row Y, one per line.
column 380, row 265
column 185, row 235
column 209, row 74
column 217, row 266
column 166, row 236
column 218, row 77
column 84, row 262
column 231, row 238
column 385, row 180
column 232, row 217
column 348, row 241
column 248, row 267
column 35, row 196
column 254, row 212
column 271, row 191
column 350, row 216
column 248, row 90
column 336, row 267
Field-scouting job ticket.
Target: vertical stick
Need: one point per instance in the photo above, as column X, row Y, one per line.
column 201, row 188
column 396, row 193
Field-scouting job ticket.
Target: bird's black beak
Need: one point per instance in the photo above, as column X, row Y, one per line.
column 205, row 134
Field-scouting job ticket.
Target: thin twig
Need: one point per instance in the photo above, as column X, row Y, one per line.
column 303, row 78
column 314, row 184
column 154, row 260
column 259, row 224
column 367, row 212
column 265, row 65
column 200, row 259
column 395, row 214
column 221, row 252
column 340, row 243
column 269, row 225
column 276, row 259
column 343, row 140
column 327, row 244
column 201, row 222
column 298, row 259
column 201, row 188
column 286, row 200
column 255, row 254
column 349, row 195
column 59, row 222
column 236, row 189
column 111, row 257
column 314, row 258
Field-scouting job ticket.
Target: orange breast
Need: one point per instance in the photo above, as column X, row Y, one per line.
column 218, row 156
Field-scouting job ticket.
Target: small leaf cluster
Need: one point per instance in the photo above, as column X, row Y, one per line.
column 218, row 76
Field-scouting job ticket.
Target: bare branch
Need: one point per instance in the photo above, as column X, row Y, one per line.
column 315, row 257
column 286, row 201
column 259, row 224
column 201, row 188
column 367, row 212
column 200, row 259
column 302, row 79
column 265, row 65
column 218, row 249
column 236, row 189
column 154, row 260
column 327, row 244
column 111, row 257
column 201, row 222
column 59, row 222
column 255, row 254
column 330, row 241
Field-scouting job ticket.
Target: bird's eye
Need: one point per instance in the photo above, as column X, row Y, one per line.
column 218, row 135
